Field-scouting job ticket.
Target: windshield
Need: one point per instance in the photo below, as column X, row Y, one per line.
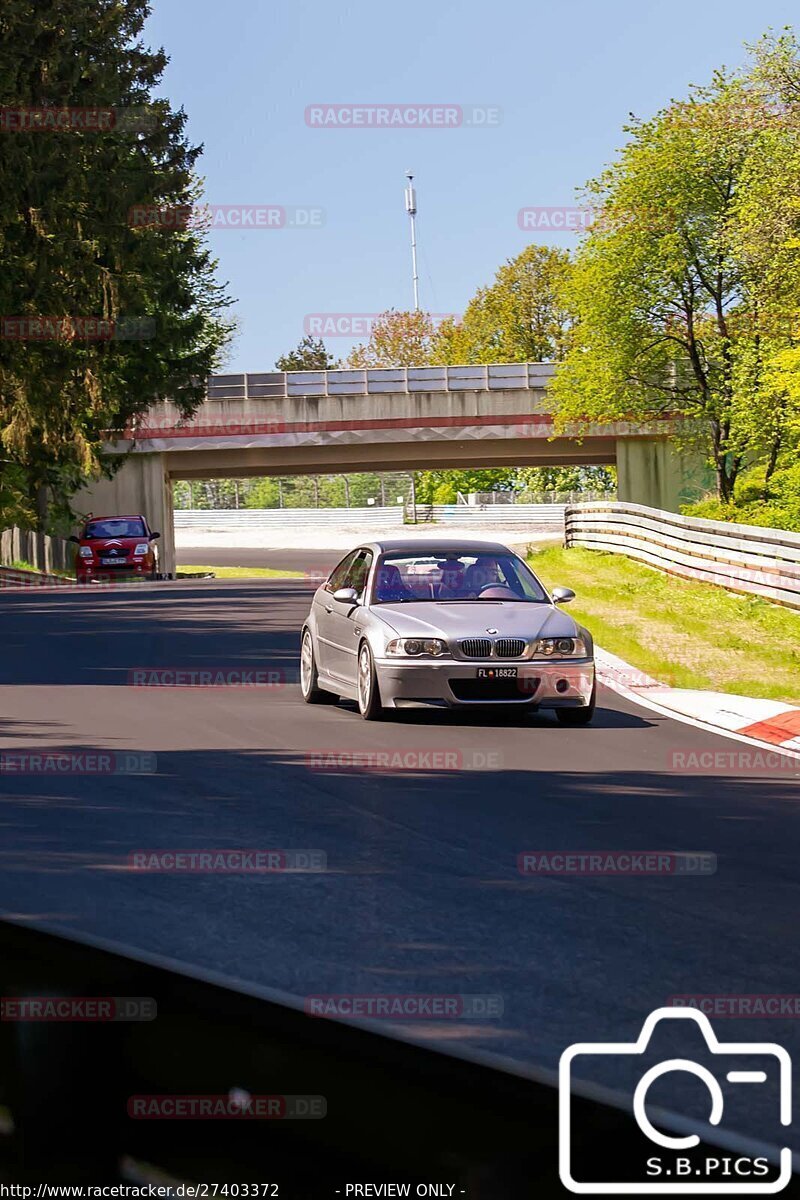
column 450, row 576
column 118, row 527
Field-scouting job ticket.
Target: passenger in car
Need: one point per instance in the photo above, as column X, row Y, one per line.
column 389, row 586
column 451, row 585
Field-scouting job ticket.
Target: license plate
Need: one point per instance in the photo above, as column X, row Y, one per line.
column 497, row 672
column 112, row 562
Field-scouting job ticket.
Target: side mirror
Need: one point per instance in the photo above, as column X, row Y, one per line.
column 562, row 595
column 153, row 536
column 74, row 539
column 346, row 595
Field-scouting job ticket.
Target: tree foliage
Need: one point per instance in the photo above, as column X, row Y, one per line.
column 668, row 306
column 70, row 248
column 398, row 339
column 310, row 354
column 520, row 317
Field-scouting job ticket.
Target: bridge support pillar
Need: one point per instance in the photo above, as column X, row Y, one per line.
column 654, row 472
column 141, row 485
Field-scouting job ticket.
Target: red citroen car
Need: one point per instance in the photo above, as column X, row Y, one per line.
column 116, row 548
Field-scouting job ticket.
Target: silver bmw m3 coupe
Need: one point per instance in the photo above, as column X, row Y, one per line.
column 406, row 623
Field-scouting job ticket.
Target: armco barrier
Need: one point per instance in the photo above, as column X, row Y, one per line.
column 392, row 1109
column 272, row 518
column 742, row 558
column 477, row 515
column 550, row 515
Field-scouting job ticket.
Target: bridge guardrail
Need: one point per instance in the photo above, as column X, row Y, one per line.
column 741, row 558
column 374, row 381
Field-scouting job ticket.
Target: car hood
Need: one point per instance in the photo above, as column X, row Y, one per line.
column 101, row 545
column 465, row 618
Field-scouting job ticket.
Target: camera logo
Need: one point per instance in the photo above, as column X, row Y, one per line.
column 673, row 1171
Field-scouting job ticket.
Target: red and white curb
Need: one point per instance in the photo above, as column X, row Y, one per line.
column 760, row 722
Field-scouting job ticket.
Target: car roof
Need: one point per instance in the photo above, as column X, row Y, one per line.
column 434, row 547
column 115, row 517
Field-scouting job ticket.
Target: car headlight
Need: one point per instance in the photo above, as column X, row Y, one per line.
column 141, row 548
column 85, row 552
column 560, row 648
column 416, row 647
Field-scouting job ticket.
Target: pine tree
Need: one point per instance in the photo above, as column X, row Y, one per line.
column 84, row 144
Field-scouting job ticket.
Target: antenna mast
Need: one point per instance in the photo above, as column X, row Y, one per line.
column 411, row 209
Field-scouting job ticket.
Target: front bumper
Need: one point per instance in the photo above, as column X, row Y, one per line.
column 441, row 683
column 122, row 571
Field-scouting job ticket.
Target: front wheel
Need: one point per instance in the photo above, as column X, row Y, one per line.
column 369, row 697
column 309, row 680
column 578, row 716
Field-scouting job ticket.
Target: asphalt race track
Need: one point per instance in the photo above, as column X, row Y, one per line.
column 317, row 561
column 422, row 893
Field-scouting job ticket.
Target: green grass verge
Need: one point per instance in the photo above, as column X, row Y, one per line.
column 692, row 635
column 19, row 564
column 240, row 572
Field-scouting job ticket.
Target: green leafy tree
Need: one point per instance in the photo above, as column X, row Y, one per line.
column 767, row 235
column 398, row 339
column 263, row 493
column 532, row 481
column 665, row 304
column 442, row 487
column 520, row 317
column 71, row 250
column 309, row 355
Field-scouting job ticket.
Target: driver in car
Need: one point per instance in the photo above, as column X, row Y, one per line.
column 483, row 573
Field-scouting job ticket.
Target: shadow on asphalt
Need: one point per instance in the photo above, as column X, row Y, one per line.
column 77, row 651
column 98, row 638
column 423, row 891
column 506, row 718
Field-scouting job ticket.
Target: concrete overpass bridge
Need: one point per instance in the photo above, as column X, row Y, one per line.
column 328, row 422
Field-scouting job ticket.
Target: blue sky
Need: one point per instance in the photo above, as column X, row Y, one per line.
column 554, row 82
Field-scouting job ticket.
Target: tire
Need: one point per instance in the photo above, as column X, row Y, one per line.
column 309, row 680
column 369, row 697
column 578, row 716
